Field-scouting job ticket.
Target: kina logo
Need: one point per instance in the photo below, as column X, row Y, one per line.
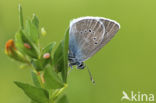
column 137, row 96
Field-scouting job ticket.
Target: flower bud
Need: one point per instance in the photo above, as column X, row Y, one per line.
column 10, row 47
column 12, row 52
column 43, row 31
column 46, row 56
column 26, row 45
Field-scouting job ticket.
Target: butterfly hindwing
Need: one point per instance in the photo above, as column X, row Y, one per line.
column 111, row 28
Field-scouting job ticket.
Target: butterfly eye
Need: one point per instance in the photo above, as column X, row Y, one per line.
column 81, row 32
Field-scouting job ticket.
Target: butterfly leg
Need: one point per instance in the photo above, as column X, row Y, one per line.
column 71, row 68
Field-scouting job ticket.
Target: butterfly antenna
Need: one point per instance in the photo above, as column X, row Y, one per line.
column 91, row 77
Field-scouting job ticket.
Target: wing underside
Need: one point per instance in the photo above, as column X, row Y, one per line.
column 88, row 35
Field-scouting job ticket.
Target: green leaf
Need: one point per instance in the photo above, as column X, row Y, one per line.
column 65, row 50
column 21, row 17
column 63, row 99
column 32, row 31
column 37, row 64
column 38, row 95
column 35, row 79
column 47, row 49
column 52, row 80
column 58, row 58
column 21, row 40
column 35, row 21
column 61, row 57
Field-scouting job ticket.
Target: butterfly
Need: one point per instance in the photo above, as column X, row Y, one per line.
column 87, row 35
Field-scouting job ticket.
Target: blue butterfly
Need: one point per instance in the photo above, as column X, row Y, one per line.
column 87, row 36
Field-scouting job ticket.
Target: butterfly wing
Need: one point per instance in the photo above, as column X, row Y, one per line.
column 111, row 28
column 86, row 34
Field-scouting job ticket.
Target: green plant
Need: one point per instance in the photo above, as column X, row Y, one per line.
column 49, row 72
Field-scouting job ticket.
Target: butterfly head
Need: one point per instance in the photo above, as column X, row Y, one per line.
column 74, row 61
column 80, row 65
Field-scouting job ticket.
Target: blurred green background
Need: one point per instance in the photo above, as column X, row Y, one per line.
column 126, row 63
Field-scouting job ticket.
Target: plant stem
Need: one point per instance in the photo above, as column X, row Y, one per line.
column 38, row 74
column 58, row 92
